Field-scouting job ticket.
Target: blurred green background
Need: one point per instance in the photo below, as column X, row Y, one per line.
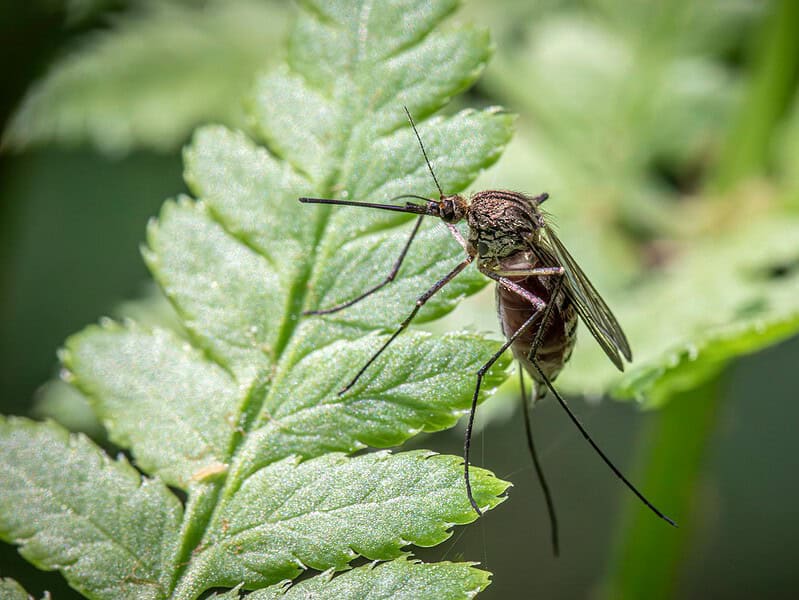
column 662, row 130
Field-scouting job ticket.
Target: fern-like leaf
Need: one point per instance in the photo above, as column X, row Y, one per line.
column 241, row 411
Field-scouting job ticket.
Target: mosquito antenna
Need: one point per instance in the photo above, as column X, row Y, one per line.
column 416, row 196
column 598, row 450
column 424, row 152
column 528, row 428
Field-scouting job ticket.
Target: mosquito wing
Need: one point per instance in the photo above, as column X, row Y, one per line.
column 589, row 304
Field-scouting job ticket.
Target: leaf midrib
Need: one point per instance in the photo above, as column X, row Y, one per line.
column 295, row 302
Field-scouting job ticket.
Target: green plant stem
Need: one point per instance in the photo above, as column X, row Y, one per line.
column 649, row 553
column 774, row 67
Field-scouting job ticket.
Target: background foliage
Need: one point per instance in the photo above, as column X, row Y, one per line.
column 667, row 139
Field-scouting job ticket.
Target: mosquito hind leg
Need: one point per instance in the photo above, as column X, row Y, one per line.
column 528, row 429
column 573, row 417
column 597, row 449
column 388, row 279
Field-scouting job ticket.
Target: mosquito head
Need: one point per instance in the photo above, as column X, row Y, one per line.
column 452, row 208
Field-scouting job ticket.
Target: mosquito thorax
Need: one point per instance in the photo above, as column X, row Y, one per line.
column 502, row 223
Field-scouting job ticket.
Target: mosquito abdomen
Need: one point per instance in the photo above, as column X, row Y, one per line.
column 559, row 336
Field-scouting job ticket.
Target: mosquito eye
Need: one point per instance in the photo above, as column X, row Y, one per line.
column 482, row 248
column 448, row 212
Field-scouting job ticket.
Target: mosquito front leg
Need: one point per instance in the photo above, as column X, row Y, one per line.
column 420, row 302
column 389, row 278
column 458, row 236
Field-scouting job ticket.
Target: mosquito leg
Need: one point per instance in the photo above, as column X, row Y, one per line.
column 541, row 198
column 389, row 278
column 467, row 444
column 537, row 303
column 420, row 302
column 458, row 236
column 528, row 428
column 539, row 306
column 539, row 336
column 514, row 287
column 573, row 417
column 537, row 272
column 596, row 448
column 567, row 409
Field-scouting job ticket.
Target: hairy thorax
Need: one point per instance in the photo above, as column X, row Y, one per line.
column 501, row 224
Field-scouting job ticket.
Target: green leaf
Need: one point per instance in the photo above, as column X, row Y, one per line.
column 154, row 74
column 731, row 294
column 110, row 532
column 326, row 511
column 11, row 590
column 398, row 579
column 61, row 402
column 241, row 409
column 168, row 404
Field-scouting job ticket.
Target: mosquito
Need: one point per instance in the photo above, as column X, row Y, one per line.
column 541, row 292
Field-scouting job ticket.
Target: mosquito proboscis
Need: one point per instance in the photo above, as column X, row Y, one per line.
column 541, row 292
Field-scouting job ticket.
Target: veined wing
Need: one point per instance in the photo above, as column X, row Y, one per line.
column 589, row 304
